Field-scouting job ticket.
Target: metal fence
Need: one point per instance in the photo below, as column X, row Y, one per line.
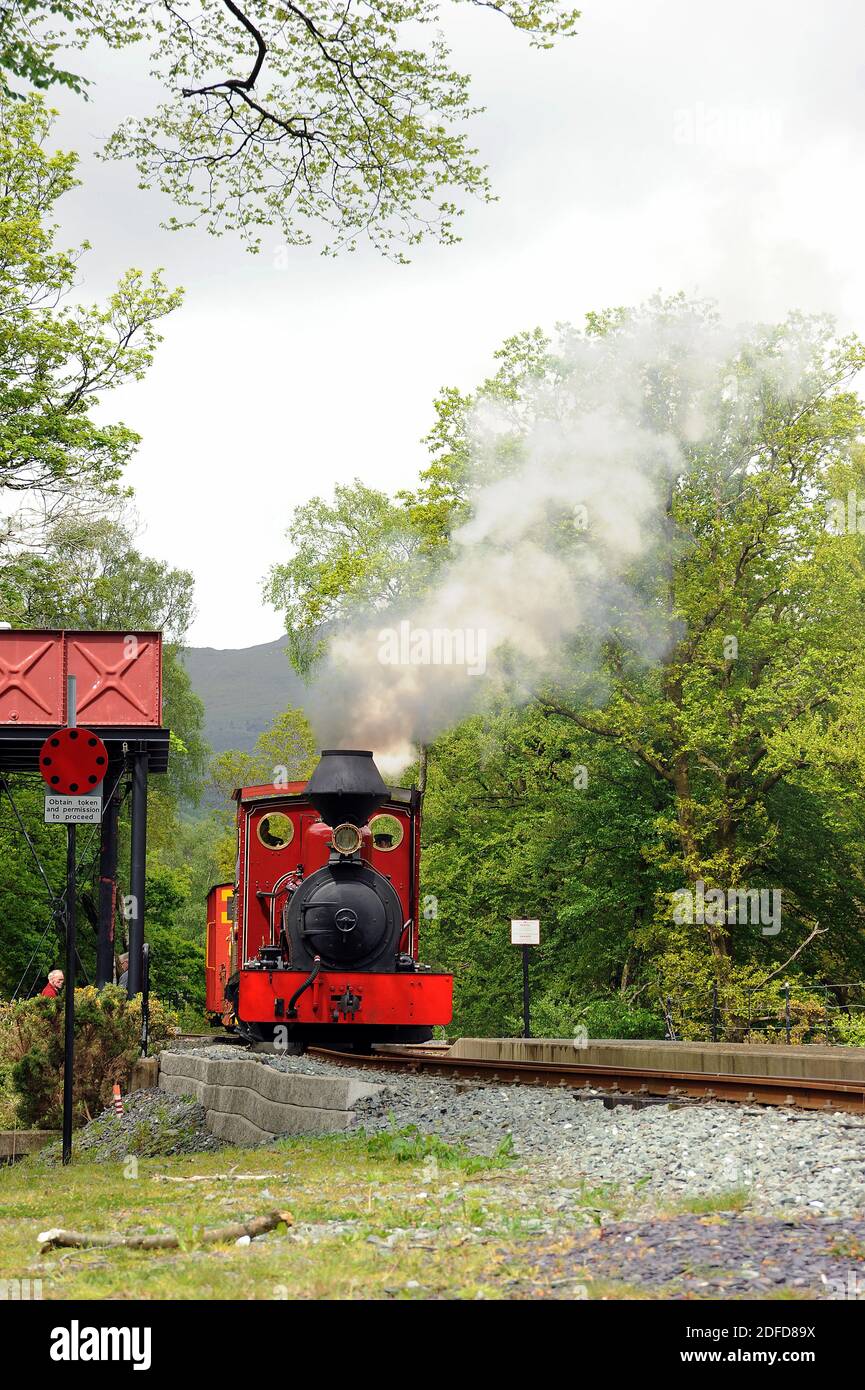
column 724, row 1019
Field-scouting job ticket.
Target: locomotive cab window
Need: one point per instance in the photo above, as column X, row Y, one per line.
column 387, row 832
column 275, row 830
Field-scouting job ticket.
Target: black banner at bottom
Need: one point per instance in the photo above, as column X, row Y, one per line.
column 268, row 1339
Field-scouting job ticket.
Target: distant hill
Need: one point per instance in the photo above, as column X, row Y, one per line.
column 243, row 689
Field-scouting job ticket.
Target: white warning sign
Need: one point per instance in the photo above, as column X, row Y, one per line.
column 73, row 810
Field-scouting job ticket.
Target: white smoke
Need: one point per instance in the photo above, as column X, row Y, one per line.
column 562, row 541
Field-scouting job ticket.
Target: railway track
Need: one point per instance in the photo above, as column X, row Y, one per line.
column 614, row 1081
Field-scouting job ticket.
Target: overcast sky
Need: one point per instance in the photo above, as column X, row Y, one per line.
column 670, row 145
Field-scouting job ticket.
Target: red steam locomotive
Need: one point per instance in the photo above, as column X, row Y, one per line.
column 317, row 942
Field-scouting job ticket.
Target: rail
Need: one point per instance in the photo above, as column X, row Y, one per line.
column 804, row 1093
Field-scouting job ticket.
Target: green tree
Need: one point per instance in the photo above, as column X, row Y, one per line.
column 349, row 558
column 176, row 960
column 57, row 360
column 762, row 687
column 348, row 117
column 88, row 573
column 283, row 753
column 458, row 465
column 753, row 716
column 507, row 833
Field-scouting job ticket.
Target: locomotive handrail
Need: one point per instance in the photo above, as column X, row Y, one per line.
column 281, row 886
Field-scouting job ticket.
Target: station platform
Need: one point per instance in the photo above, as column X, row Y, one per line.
column 815, row 1061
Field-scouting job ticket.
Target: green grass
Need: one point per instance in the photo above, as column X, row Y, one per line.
column 399, row 1215
column 409, row 1145
column 372, row 1217
column 736, row 1199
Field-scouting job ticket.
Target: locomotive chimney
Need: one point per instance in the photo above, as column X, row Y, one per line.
column 346, row 786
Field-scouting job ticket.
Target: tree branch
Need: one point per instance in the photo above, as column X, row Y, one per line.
column 237, row 84
column 817, row 931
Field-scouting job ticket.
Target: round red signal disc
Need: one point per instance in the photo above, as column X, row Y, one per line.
column 73, row 761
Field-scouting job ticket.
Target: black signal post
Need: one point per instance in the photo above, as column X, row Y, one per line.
column 138, row 871
column 108, row 876
column 69, row 1000
column 69, row 994
column 73, row 762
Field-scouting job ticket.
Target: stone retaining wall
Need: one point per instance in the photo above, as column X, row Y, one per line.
column 249, row 1102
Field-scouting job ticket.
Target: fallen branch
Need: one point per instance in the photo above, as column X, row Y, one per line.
column 217, row 1177
column 54, row 1239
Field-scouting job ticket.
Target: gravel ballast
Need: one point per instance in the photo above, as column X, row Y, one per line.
column 154, row 1124
column 786, row 1160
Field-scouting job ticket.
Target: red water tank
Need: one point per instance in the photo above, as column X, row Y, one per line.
column 119, row 677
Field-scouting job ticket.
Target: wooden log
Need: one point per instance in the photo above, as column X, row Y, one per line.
column 111, row 1240
column 145, row 1074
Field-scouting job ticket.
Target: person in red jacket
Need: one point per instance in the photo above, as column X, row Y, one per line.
column 54, row 985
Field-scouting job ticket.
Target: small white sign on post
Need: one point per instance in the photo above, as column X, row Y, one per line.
column 73, row 810
column 525, row 932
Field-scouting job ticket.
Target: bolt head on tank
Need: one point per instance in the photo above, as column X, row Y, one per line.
column 346, row 786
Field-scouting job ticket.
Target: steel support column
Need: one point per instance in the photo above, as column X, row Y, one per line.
column 138, row 870
column 107, row 881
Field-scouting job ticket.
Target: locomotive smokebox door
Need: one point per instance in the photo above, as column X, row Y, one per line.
column 347, row 914
column 346, row 786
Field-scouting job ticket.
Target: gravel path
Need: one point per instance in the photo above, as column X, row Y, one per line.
column 786, row 1160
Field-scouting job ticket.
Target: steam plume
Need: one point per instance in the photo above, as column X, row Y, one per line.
column 561, row 545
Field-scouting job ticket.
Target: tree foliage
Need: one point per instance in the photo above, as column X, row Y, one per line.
column 730, row 756
column 33, row 32
column 58, row 359
column 348, row 559
column 340, row 114
column 283, row 753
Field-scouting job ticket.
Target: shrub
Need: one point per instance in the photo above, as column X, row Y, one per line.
column 107, row 1033
column 849, row 1029
column 748, row 1009
column 605, row 1016
column 8, row 1094
column 614, row 1016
